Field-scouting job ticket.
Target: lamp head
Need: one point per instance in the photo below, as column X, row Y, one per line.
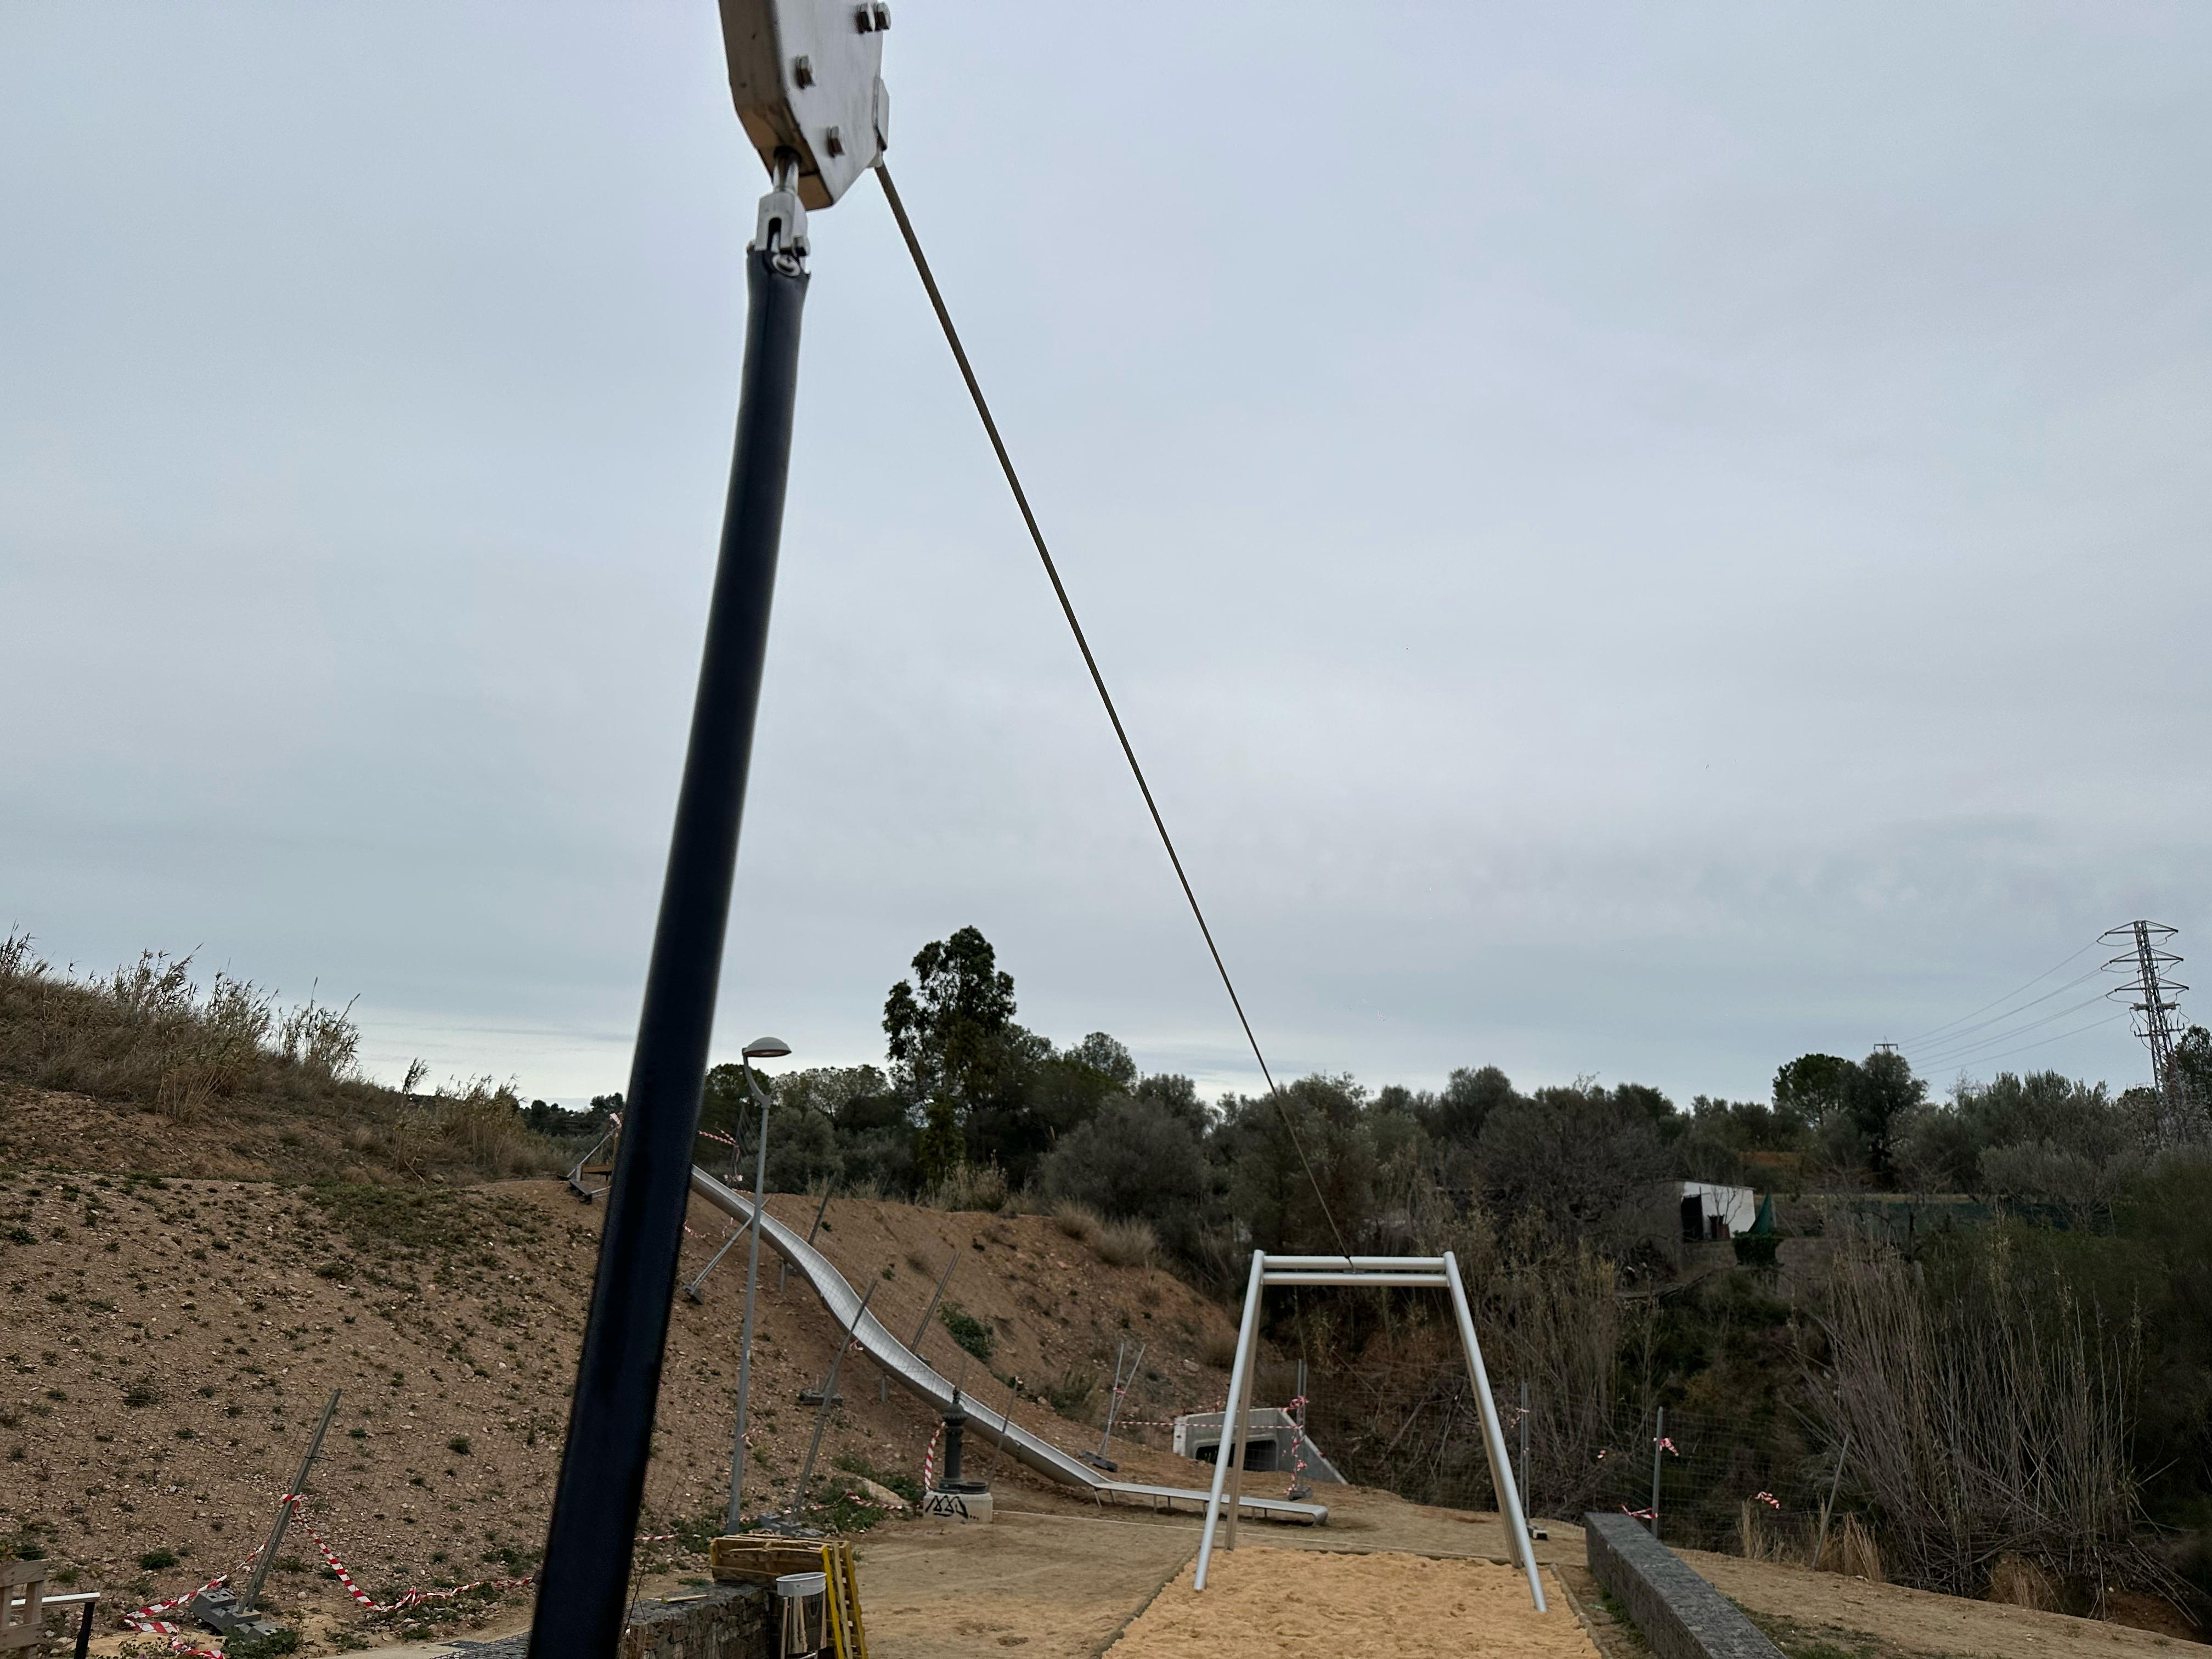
column 767, row 1048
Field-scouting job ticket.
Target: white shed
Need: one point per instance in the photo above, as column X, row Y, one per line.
column 1711, row 1211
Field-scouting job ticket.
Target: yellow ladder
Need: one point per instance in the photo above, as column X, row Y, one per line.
column 849, row 1636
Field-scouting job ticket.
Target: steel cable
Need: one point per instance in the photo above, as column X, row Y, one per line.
column 1097, row 679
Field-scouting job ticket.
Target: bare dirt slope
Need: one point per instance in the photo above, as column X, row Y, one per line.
column 168, row 1343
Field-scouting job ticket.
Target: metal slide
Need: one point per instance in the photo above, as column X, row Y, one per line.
column 914, row 1373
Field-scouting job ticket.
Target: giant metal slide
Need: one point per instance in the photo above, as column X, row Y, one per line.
column 914, row 1373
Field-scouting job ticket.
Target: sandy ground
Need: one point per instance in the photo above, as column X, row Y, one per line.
column 1303, row 1602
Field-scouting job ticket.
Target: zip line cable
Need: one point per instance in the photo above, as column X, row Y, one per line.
column 1939, row 1029
column 1097, row 679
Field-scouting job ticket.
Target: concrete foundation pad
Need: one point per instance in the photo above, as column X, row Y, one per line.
column 957, row 1505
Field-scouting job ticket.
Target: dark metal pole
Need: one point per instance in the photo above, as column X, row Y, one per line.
column 584, row 1582
column 284, row 1508
column 783, row 1268
column 733, row 1517
column 828, row 1403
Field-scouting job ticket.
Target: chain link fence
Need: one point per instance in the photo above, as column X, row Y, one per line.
column 1736, row 1484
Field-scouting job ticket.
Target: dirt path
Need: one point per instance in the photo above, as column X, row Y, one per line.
column 1917, row 1622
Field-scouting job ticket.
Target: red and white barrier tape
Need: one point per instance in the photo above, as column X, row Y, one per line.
column 148, row 1619
column 929, row 1460
column 412, row 1598
column 1296, row 1412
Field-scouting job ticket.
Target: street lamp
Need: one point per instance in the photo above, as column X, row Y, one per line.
column 759, row 1048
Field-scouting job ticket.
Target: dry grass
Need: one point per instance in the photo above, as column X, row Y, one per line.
column 1127, row 1244
column 2017, row 1582
column 1216, row 1346
column 149, row 1033
column 971, row 1186
column 1986, row 1418
column 242, row 1080
column 1077, row 1221
column 1117, row 1243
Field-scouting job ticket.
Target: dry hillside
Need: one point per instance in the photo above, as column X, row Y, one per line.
column 169, row 1340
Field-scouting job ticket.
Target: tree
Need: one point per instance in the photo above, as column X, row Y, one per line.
column 1812, row 1086
column 1272, row 1188
column 1105, row 1056
column 1574, row 1159
column 1177, row 1095
column 2192, row 1065
column 944, row 1028
column 1882, row 1091
column 1469, row 1097
column 940, row 1024
column 1137, row 1158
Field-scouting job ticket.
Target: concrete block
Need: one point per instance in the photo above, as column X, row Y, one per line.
column 957, row 1505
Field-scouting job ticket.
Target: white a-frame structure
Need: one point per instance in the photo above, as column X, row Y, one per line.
column 1435, row 1272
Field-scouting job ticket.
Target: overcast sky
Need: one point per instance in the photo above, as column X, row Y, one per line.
column 1632, row 540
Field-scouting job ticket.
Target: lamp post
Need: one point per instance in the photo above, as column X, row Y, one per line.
column 758, row 1048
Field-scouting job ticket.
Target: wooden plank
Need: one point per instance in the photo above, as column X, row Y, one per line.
column 22, row 1611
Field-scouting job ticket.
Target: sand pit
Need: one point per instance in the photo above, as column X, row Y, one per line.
column 1275, row 1601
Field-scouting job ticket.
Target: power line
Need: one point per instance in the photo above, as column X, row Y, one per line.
column 1097, row 679
column 1939, row 1029
column 2006, row 1031
column 2039, row 1043
column 1951, row 1054
column 1963, row 1034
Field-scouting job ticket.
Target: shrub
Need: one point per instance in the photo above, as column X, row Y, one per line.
column 1135, row 1157
column 1072, row 1392
column 1127, row 1244
column 904, row 1484
column 1078, row 1220
column 968, row 1331
column 458, row 1445
column 971, row 1186
column 156, row 1561
column 142, row 1393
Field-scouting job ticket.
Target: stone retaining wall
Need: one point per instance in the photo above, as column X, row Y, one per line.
column 730, row 1621
column 1681, row 1615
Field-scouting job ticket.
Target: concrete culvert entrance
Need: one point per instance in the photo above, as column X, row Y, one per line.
column 1272, row 1442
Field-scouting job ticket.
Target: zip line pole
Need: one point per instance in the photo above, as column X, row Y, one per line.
column 584, row 1584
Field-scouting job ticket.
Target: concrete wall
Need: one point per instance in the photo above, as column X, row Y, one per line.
column 1680, row 1613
